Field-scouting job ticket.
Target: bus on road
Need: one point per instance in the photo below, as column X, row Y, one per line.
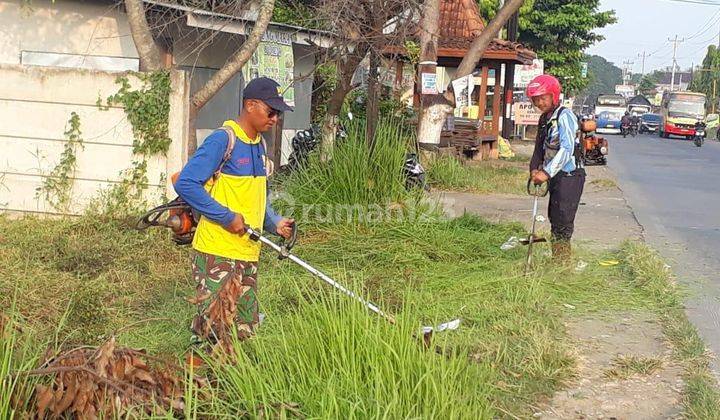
column 679, row 112
column 609, row 110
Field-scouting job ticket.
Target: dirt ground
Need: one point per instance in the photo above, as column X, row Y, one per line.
column 604, row 218
column 596, row 394
column 604, row 221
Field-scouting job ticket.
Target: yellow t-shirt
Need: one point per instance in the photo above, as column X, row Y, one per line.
column 241, row 187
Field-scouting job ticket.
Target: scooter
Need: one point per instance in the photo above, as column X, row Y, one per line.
column 414, row 173
column 700, row 133
column 594, row 148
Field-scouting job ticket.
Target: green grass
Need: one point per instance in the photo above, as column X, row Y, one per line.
column 627, row 366
column 648, row 272
column 319, row 355
column 354, row 175
column 330, row 359
column 18, row 352
column 447, row 173
column 318, row 351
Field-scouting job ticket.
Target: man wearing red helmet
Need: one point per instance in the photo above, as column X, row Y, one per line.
column 557, row 160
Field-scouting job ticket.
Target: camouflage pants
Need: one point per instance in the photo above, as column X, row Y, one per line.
column 226, row 299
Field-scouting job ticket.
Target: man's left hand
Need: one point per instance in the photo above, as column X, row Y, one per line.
column 539, row 177
column 284, row 227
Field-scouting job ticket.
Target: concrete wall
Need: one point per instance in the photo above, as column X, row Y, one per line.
column 96, row 35
column 35, row 105
column 65, row 27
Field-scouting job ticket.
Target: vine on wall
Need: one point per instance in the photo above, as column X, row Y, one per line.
column 57, row 186
column 148, row 110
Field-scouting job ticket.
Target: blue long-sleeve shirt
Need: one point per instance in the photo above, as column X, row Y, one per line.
column 246, row 161
column 566, row 129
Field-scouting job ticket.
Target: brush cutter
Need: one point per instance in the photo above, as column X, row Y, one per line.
column 284, row 252
column 536, row 191
column 178, row 216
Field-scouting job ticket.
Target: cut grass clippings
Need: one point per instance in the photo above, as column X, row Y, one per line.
column 447, row 173
column 627, row 366
column 604, row 183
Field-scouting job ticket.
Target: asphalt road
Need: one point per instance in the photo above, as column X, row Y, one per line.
column 674, row 190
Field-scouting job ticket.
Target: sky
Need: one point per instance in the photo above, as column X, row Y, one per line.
column 646, row 25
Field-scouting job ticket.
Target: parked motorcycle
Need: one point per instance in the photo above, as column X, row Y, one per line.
column 700, row 133
column 305, row 142
column 594, row 148
column 414, row 173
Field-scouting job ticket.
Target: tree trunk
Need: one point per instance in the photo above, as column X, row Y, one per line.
column 373, row 100
column 330, row 120
column 430, row 104
column 479, row 44
column 148, row 50
column 231, row 67
column 346, row 69
column 430, row 125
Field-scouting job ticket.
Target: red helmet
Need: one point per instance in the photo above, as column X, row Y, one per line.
column 544, row 84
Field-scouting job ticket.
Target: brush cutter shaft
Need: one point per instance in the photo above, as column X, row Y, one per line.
column 537, row 192
column 322, row 276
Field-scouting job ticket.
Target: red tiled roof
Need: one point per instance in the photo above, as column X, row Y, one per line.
column 460, row 23
column 498, row 49
column 460, row 19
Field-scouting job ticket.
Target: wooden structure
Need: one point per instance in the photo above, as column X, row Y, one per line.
column 475, row 130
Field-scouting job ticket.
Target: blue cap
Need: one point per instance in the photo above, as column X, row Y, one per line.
column 267, row 90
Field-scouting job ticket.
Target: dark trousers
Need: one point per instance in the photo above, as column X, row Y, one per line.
column 565, row 192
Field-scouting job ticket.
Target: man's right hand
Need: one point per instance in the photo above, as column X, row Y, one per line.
column 237, row 225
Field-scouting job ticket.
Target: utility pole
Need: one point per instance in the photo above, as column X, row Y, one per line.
column 674, row 64
column 643, row 55
column 626, row 71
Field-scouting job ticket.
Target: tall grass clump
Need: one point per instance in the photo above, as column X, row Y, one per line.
column 447, row 173
column 17, row 353
column 355, row 175
column 333, row 359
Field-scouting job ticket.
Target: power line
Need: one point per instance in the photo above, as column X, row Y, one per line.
column 704, row 2
column 710, row 24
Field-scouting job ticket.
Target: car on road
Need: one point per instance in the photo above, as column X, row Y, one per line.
column 649, row 123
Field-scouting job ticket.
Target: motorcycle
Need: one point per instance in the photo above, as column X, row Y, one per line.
column 700, row 133
column 594, row 148
column 414, row 173
column 634, row 128
column 305, row 142
column 624, row 130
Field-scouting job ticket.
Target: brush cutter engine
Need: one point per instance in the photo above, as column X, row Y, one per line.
column 182, row 219
column 176, row 215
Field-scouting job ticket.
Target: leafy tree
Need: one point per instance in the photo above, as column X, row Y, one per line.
column 706, row 78
column 602, row 78
column 559, row 31
column 648, row 84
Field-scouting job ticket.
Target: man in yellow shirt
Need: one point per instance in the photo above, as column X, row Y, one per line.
column 226, row 182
